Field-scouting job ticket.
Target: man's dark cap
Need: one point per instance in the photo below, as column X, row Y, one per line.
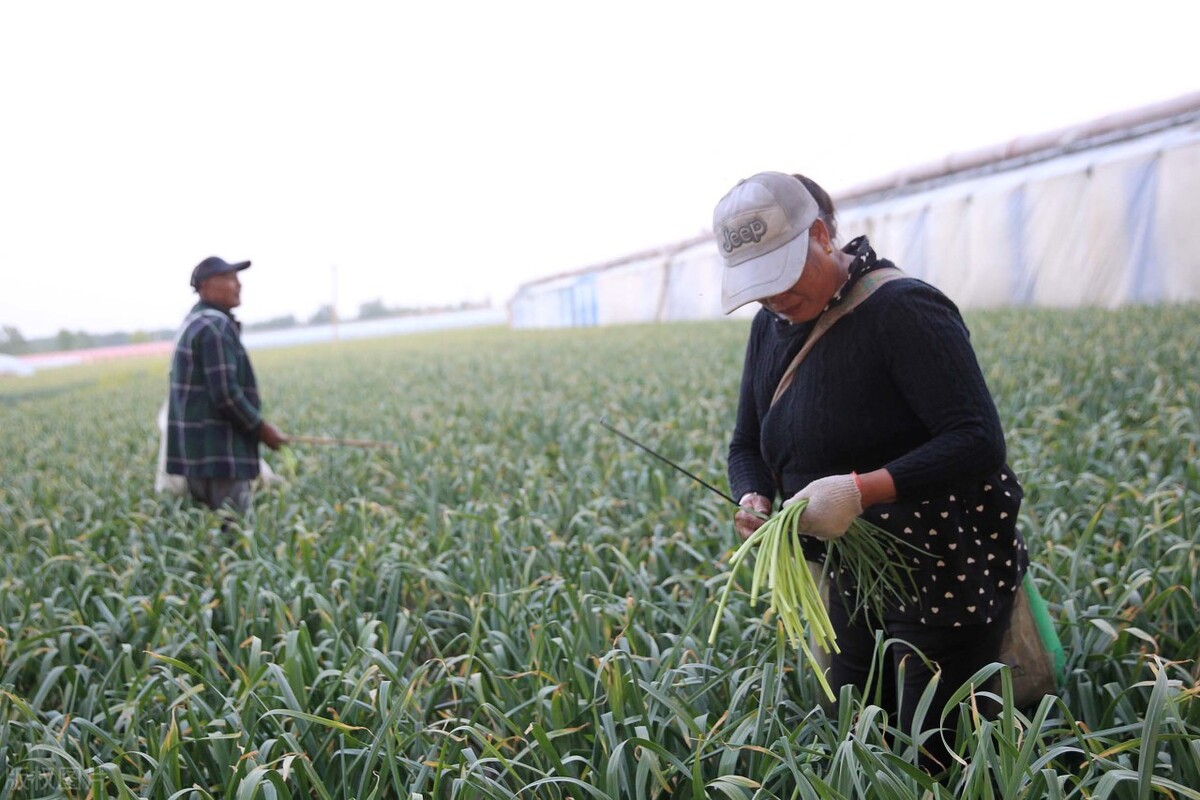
column 214, row 266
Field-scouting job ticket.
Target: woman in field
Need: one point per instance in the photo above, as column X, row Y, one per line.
column 886, row 416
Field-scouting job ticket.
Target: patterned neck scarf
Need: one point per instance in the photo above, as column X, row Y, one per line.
column 865, row 261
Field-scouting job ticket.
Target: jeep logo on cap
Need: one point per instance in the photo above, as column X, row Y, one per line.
column 752, row 231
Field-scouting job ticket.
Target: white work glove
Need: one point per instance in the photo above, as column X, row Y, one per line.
column 833, row 503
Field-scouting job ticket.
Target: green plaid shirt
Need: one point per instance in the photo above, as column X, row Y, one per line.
column 213, row 418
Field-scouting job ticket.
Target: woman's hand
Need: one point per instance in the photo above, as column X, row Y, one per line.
column 748, row 521
column 833, row 503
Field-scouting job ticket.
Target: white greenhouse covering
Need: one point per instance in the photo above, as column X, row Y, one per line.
column 1100, row 214
column 11, row 365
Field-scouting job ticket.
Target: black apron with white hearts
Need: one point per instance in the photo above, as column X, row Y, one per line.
column 973, row 556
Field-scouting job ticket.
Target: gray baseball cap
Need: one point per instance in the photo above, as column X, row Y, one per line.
column 761, row 227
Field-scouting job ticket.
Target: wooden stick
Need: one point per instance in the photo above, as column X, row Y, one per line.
column 292, row 439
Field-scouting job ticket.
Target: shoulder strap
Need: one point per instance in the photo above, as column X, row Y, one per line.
column 865, row 287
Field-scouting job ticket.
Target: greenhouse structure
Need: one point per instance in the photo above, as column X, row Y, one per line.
column 1099, row 214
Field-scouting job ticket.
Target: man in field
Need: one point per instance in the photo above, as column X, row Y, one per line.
column 214, row 422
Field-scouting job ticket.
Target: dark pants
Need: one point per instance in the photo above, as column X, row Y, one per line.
column 957, row 653
column 218, row 492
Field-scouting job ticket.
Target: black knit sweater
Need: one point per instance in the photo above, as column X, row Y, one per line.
column 894, row 384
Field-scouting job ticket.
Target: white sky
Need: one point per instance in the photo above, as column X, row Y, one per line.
column 435, row 152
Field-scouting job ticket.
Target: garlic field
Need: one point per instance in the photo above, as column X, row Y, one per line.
column 513, row 602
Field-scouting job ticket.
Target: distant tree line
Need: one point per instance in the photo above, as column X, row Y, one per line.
column 13, row 343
